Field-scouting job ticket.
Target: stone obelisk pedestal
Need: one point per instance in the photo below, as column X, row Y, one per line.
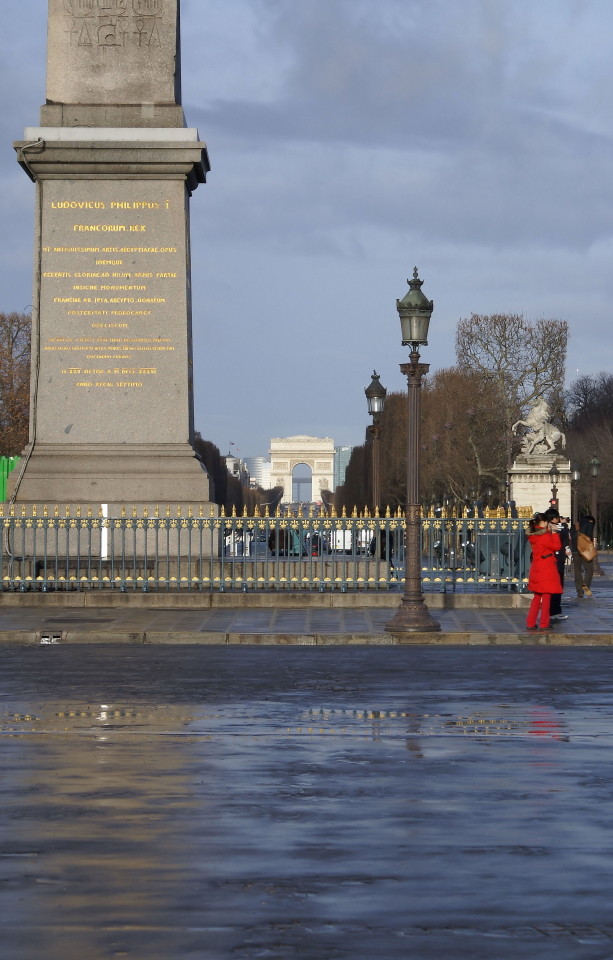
column 530, row 483
column 114, row 167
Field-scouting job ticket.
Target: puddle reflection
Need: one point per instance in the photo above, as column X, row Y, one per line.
column 99, row 818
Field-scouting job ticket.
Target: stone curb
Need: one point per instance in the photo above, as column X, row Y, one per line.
column 255, row 601
column 169, row 638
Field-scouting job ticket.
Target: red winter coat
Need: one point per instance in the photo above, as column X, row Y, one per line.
column 544, row 576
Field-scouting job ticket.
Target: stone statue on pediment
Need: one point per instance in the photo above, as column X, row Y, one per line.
column 541, row 436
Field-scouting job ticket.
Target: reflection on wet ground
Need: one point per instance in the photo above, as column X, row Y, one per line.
column 298, row 803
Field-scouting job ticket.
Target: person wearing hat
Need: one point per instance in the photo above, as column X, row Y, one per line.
column 544, row 579
column 560, row 526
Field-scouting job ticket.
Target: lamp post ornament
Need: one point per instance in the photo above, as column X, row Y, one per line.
column 594, row 466
column 554, row 475
column 375, row 396
column 415, row 311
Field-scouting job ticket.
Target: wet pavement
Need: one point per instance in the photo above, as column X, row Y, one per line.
column 315, row 619
column 588, row 621
column 301, row 803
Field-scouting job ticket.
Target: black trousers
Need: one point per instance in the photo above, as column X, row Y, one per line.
column 556, row 598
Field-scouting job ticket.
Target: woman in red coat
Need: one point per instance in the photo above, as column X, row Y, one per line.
column 544, row 578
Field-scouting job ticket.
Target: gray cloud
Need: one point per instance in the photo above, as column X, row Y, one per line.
column 349, row 140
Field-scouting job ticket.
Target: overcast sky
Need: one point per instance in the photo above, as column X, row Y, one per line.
column 351, row 140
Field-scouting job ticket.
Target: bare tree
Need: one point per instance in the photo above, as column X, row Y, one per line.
column 463, row 436
column 523, row 360
column 15, row 335
column 463, row 444
column 589, row 403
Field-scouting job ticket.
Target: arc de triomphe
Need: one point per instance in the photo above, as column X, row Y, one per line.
column 317, row 453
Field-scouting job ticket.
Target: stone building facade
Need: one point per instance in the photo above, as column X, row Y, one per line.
column 286, row 453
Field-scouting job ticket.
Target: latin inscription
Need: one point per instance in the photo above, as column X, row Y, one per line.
column 108, row 296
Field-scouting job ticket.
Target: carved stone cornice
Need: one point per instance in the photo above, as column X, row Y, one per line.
column 120, row 159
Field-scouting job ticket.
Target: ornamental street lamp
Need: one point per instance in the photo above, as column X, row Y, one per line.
column 375, row 397
column 554, row 474
column 414, row 311
column 594, row 466
column 575, row 477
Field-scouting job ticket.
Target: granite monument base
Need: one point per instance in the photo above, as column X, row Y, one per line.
column 112, row 404
column 118, row 475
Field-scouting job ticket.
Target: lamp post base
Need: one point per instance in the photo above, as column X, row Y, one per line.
column 412, row 616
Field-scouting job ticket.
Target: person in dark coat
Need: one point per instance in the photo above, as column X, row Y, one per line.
column 560, row 526
column 544, row 578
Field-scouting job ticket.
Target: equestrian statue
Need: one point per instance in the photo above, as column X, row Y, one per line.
column 542, row 436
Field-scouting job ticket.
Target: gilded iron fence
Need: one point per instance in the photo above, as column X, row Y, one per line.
column 298, row 553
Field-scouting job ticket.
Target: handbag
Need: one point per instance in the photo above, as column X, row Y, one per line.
column 585, row 547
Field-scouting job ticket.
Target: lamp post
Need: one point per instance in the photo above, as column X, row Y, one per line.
column 414, row 311
column 594, row 466
column 575, row 476
column 554, row 475
column 375, row 397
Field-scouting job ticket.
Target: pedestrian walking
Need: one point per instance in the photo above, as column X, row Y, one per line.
column 544, row 579
column 584, row 554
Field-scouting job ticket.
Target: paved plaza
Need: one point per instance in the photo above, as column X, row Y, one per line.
column 298, row 803
column 59, row 620
column 298, row 625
